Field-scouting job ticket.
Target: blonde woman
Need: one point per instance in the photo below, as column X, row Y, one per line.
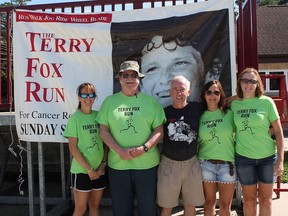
column 258, row 157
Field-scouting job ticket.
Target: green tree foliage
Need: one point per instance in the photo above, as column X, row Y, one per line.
column 3, row 45
column 14, row 3
column 265, row 2
column 20, row 2
column 283, row 2
column 272, row 2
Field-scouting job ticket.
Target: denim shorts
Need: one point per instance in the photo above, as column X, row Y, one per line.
column 250, row 171
column 218, row 172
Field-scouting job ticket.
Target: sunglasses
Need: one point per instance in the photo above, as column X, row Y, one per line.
column 126, row 75
column 217, row 93
column 84, row 95
column 247, row 81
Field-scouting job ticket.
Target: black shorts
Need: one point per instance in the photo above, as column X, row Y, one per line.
column 83, row 183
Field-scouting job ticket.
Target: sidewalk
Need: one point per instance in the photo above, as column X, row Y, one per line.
column 279, row 207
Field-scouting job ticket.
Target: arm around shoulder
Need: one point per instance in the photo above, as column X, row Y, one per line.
column 230, row 99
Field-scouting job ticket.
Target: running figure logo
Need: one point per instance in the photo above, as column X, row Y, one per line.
column 129, row 125
column 213, row 133
column 245, row 124
column 94, row 142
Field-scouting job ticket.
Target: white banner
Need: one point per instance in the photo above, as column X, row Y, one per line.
column 55, row 52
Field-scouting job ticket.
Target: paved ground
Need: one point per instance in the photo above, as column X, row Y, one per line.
column 280, row 207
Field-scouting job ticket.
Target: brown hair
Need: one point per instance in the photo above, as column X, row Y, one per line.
column 259, row 91
column 89, row 86
column 205, row 88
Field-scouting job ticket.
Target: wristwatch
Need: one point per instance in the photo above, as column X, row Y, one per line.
column 145, row 148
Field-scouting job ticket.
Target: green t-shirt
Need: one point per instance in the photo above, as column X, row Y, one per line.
column 84, row 127
column 252, row 118
column 131, row 121
column 216, row 136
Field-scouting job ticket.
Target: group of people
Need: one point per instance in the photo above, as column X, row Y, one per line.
column 206, row 146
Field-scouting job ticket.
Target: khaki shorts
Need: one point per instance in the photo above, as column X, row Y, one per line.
column 179, row 177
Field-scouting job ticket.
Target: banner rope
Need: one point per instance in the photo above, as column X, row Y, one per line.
column 10, row 148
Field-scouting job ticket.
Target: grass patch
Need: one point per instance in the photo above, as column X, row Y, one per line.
column 284, row 177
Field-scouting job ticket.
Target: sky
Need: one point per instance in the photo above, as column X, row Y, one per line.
column 34, row 2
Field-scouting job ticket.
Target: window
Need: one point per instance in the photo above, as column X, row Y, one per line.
column 274, row 83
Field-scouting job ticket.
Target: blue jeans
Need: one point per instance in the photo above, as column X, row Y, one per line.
column 250, row 171
column 125, row 185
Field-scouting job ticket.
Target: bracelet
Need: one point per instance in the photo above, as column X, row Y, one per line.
column 90, row 170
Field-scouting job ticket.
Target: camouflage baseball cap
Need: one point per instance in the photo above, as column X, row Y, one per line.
column 130, row 65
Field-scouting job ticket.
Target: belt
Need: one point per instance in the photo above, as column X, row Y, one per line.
column 218, row 161
column 231, row 167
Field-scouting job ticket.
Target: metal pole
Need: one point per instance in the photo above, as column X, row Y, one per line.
column 63, row 182
column 30, row 180
column 240, row 39
column 253, row 15
column 41, row 179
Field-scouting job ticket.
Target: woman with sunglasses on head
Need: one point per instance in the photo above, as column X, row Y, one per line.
column 89, row 157
column 256, row 159
column 217, row 150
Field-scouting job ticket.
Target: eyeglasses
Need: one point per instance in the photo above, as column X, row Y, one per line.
column 246, row 81
column 217, row 93
column 169, row 44
column 126, row 75
column 84, row 95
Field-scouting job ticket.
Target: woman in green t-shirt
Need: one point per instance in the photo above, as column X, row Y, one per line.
column 86, row 147
column 256, row 159
column 217, row 149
